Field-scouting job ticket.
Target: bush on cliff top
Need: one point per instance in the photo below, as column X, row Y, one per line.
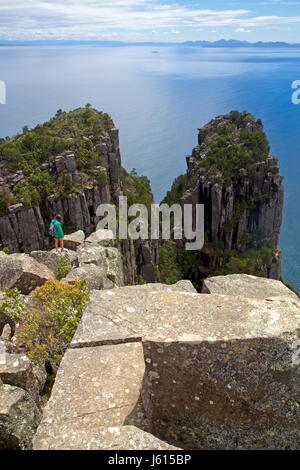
column 232, row 148
column 27, row 151
column 47, row 324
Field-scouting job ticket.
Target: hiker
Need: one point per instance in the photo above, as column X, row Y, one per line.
column 57, row 232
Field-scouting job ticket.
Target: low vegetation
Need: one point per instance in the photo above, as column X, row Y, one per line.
column 48, row 321
column 27, row 151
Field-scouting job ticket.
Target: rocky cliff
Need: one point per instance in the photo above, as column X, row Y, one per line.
column 37, row 182
column 233, row 174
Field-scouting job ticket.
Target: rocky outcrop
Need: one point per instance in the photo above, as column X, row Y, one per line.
column 207, row 371
column 233, row 175
column 18, row 371
column 22, row 272
column 23, row 228
column 74, row 240
column 247, row 286
column 108, row 373
column 223, row 374
column 19, row 418
column 51, row 258
column 95, row 277
column 20, row 406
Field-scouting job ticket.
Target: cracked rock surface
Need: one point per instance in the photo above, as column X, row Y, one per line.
column 176, row 368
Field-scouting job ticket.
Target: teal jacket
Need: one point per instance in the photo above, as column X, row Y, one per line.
column 59, row 230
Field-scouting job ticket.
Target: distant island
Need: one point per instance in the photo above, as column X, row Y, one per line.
column 224, row 43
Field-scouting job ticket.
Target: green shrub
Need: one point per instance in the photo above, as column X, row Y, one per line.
column 63, row 268
column 28, row 150
column 49, row 321
column 169, row 268
column 11, row 305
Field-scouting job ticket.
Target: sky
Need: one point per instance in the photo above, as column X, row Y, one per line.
column 150, row 20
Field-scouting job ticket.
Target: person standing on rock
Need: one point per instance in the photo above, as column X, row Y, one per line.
column 57, row 232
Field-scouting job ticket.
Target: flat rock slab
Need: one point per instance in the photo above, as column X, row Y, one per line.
column 247, row 286
column 96, row 387
column 200, row 371
column 118, row 315
column 60, row 437
column 212, row 317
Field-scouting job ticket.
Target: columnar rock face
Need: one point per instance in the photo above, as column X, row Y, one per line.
column 17, row 370
column 233, row 175
column 207, row 371
column 24, row 229
column 20, row 411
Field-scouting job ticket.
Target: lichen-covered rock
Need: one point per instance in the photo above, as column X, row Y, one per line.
column 17, row 370
column 22, row 227
column 101, row 237
column 74, row 240
column 248, row 286
column 200, row 371
column 108, row 259
column 222, row 372
column 95, row 277
column 86, row 437
column 51, row 258
column 114, row 266
column 109, row 378
column 19, row 418
column 22, row 272
column 119, row 315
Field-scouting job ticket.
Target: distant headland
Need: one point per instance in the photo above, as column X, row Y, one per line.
column 222, row 43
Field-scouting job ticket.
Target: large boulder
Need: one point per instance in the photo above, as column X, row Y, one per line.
column 19, row 418
column 222, row 372
column 17, row 370
column 22, row 272
column 109, row 378
column 246, row 285
column 89, row 437
column 109, row 259
column 74, row 240
column 51, row 258
column 95, row 277
column 100, row 237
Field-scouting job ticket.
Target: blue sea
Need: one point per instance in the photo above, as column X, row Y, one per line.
column 159, row 100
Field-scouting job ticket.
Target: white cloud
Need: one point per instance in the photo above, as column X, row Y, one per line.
column 242, row 30
column 77, row 19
